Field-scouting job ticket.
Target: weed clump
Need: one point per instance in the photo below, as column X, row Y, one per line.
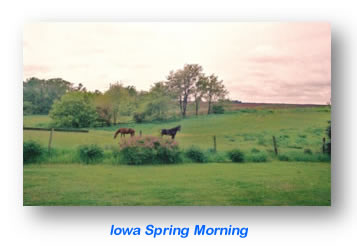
column 236, row 156
column 32, row 152
column 257, row 157
column 90, row 153
column 196, row 154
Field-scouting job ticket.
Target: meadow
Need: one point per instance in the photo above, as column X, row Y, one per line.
column 274, row 183
column 294, row 128
column 302, row 180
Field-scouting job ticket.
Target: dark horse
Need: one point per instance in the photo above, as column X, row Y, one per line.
column 124, row 131
column 171, row 132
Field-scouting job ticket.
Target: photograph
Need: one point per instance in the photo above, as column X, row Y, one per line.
column 176, row 114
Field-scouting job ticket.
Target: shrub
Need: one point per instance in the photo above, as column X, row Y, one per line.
column 90, row 153
column 257, row 157
column 236, row 155
column 303, row 157
column 196, row 154
column 216, row 157
column 149, row 150
column 74, row 109
column 218, row 109
column 308, row 151
column 283, row 157
column 33, row 152
column 139, row 117
column 255, row 150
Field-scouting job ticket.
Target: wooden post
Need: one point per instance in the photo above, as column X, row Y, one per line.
column 140, row 133
column 323, row 145
column 214, row 143
column 275, row 147
column 50, row 141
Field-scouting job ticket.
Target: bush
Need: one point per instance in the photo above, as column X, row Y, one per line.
column 139, row 117
column 308, row 151
column 196, row 154
column 303, row 157
column 90, row 153
column 257, row 157
column 255, row 150
column 149, row 150
column 218, row 109
column 236, row 156
column 33, row 152
column 283, row 157
column 75, row 110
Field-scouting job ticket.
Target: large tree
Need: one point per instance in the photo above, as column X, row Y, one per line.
column 119, row 99
column 215, row 91
column 40, row 94
column 183, row 82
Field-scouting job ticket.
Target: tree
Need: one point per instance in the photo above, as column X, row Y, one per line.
column 199, row 91
column 183, row 82
column 215, row 91
column 41, row 94
column 122, row 99
column 74, row 109
column 159, row 102
column 104, row 108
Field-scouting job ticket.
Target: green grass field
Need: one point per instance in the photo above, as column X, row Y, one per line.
column 274, row 183
column 61, row 181
column 294, row 128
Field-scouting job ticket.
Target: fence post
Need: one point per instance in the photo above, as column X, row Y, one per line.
column 50, row 141
column 323, row 145
column 140, row 133
column 214, row 143
column 275, row 147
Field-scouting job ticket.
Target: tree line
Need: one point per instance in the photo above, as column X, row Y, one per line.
column 74, row 106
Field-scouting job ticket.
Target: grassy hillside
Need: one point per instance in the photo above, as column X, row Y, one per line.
column 275, row 183
column 294, row 128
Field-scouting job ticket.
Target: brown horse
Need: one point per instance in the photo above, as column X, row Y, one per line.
column 124, row 131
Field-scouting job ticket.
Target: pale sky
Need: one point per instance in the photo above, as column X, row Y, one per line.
column 257, row 61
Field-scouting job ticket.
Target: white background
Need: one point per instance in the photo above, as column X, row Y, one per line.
column 269, row 227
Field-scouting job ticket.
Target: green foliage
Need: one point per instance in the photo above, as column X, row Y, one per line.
column 236, row 155
column 75, row 109
column 139, row 117
column 308, row 151
column 39, row 95
column 328, row 144
column 257, row 157
column 196, row 154
column 32, row 152
column 255, row 150
column 90, row 153
column 118, row 101
column 218, row 109
column 303, row 157
column 28, row 108
column 283, row 157
column 149, row 150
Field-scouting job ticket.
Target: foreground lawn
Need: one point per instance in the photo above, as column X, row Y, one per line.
column 273, row 183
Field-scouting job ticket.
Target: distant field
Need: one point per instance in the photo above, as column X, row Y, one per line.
column 294, row 128
column 274, row 183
